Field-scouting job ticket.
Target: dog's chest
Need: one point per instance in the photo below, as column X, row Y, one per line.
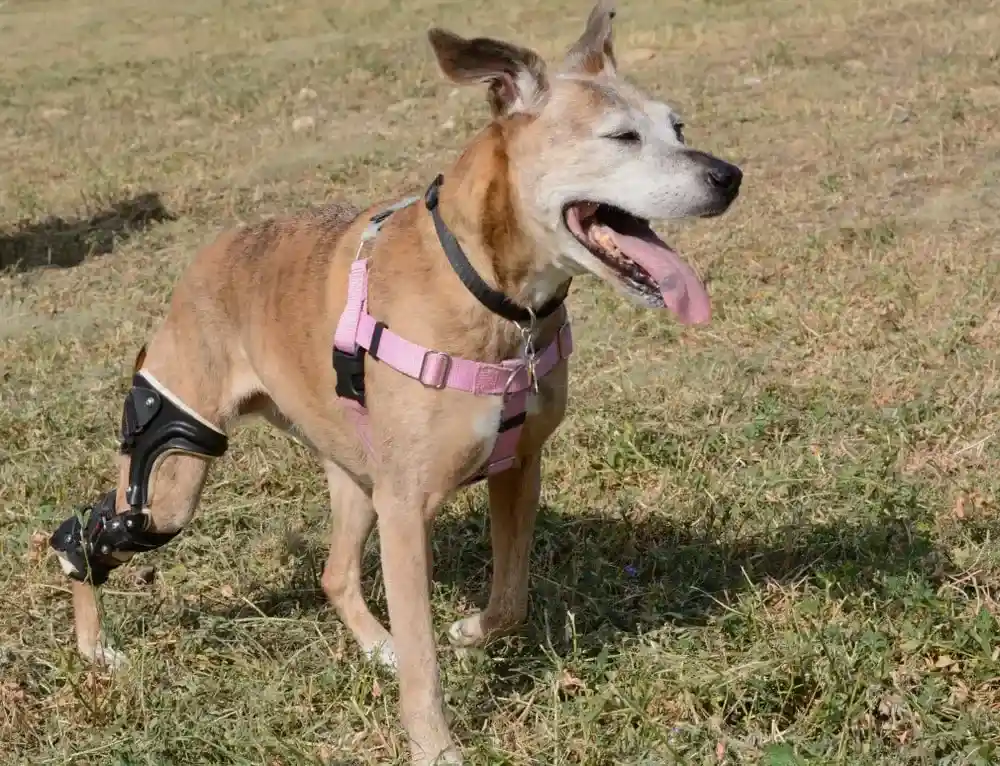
column 486, row 422
column 487, row 419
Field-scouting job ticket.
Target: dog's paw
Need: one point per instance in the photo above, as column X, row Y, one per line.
column 105, row 656
column 450, row 757
column 467, row 633
column 383, row 653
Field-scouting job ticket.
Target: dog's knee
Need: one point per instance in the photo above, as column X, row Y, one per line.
column 155, row 425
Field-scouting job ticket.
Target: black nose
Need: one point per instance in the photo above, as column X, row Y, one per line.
column 725, row 177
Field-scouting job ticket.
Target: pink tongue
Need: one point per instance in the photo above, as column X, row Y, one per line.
column 683, row 292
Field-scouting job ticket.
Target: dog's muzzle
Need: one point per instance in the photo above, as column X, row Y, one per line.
column 153, row 424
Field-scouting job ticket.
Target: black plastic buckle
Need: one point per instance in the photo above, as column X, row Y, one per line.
column 350, row 369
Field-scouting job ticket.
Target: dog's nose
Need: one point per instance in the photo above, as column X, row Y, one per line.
column 725, row 177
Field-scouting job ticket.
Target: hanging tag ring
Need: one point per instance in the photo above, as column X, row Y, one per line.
column 529, row 352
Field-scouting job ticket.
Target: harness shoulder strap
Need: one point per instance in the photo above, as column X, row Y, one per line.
column 348, row 355
column 357, row 287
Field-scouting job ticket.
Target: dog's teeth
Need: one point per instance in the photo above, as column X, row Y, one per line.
column 629, row 269
column 602, row 238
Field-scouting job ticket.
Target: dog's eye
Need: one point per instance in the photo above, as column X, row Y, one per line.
column 626, row 137
column 679, row 131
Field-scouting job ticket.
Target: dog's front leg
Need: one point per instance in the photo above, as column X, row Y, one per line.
column 404, row 520
column 513, row 508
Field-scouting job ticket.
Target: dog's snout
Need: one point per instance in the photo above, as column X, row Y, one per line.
column 725, row 177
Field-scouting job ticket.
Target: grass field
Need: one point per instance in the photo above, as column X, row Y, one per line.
column 772, row 540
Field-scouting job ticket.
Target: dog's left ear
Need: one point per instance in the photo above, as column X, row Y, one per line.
column 594, row 52
column 516, row 76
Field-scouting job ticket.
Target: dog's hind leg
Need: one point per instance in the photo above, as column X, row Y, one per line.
column 184, row 394
column 175, row 489
column 353, row 518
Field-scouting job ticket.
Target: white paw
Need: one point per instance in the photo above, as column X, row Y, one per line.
column 383, row 653
column 449, row 757
column 67, row 566
column 105, row 656
column 467, row 633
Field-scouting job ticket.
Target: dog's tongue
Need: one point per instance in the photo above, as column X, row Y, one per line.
column 683, row 292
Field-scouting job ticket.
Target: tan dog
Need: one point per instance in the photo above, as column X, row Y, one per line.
column 468, row 347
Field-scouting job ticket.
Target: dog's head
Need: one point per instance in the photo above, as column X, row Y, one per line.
column 592, row 160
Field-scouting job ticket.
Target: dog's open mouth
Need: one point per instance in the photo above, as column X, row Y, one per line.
column 641, row 260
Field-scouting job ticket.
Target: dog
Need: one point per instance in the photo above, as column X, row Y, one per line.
column 430, row 349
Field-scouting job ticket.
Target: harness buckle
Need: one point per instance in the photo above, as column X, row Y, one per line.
column 440, row 380
column 350, row 369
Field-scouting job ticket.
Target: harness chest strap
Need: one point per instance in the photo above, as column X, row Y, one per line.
column 359, row 333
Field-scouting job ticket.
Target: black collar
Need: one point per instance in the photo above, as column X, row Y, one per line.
column 492, row 299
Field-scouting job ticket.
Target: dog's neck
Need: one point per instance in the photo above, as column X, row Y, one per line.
column 479, row 205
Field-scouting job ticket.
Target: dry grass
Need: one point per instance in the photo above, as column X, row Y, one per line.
column 768, row 541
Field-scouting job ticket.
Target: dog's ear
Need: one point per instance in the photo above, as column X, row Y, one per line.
column 594, row 52
column 516, row 76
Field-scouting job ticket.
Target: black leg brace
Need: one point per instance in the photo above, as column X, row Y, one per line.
column 151, row 426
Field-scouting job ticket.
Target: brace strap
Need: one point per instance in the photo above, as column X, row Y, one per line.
column 86, row 548
column 155, row 422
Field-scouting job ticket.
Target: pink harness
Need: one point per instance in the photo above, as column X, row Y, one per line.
column 358, row 333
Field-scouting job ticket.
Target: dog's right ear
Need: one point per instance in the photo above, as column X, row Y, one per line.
column 516, row 76
column 594, row 52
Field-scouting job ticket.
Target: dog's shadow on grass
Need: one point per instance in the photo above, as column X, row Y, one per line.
column 623, row 575
column 56, row 242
